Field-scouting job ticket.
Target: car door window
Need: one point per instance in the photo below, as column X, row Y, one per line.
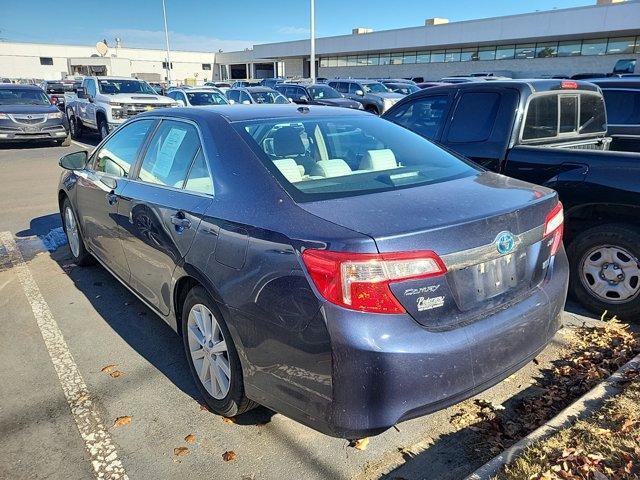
column 234, row 95
column 244, row 97
column 90, row 87
column 474, row 117
column 425, row 116
column 199, row 178
column 353, row 88
column 170, row 154
column 117, row 155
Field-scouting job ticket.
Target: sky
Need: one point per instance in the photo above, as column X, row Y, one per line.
column 209, row 25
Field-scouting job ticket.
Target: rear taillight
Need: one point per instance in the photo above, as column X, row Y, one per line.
column 360, row 281
column 568, row 84
column 554, row 225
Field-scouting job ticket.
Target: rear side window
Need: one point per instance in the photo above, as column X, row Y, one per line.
column 170, row 154
column 424, row 116
column 117, row 155
column 542, row 118
column 199, row 179
column 623, row 107
column 474, row 117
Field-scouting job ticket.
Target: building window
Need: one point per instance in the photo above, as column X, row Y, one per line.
column 46, row 61
column 437, row 56
column 206, row 66
column 423, row 57
column 594, row 47
column 546, row 50
column 525, row 51
column 362, row 60
column 385, row 58
column 621, row 45
column 452, row 55
column 469, row 54
column 505, row 52
column 409, row 57
column 569, row 49
column 324, row 63
column 164, row 65
column 352, row 61
column 487, row 53
column 374, row 59
column 341, row 62
column 396, row 59
column 332, row 61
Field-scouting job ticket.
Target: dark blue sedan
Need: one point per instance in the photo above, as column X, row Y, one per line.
column 322, row 262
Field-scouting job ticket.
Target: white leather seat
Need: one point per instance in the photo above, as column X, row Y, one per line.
column 290, row 169
column 335, row 167
column 375, row 160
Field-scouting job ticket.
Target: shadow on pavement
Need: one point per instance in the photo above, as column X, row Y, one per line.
column 27, row 145
column 41, row 225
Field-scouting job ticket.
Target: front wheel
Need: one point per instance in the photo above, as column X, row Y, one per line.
column 75, row 128
column 605, row 270
column 76, row 243
column 212, row 355
column 103, row 128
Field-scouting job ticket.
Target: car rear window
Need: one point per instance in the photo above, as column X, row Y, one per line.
column 330, row 157
column 552, row 115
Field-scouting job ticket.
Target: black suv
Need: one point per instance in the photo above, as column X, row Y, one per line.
column 316, row 94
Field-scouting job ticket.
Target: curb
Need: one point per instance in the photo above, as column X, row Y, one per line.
column 581, row 408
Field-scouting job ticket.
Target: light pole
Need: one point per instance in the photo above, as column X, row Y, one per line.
column 313, row 41
column 166, row 38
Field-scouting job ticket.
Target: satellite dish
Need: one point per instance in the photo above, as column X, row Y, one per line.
column 102, row 48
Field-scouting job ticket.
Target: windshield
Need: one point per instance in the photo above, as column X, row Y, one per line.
column 374, row 88
column 403, row 88
column 322, row 158
column 206, row 98
column 23, row 96
column 113, row 87
column 268, row 97
column 323, row 92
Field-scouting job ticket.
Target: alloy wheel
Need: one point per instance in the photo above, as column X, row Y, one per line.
column 209, row 352
column 611, row 273
column 71, row 228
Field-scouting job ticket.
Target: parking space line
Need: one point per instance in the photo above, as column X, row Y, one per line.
column 83, row 145
column 102, row 452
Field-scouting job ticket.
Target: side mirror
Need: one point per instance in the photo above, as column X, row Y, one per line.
column 74, row 161
column 303, row 99
column 360, row 93
column 246, row 102
column 232, row 102
column 81, row 92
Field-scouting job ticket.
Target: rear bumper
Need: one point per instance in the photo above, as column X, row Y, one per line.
column 388, row 368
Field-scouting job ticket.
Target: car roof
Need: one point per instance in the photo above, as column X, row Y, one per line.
column 233, row 113
column 257, row 89
column 530, row 85
column 633, row 82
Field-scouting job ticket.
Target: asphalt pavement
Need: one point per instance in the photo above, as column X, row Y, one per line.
column 62, row 416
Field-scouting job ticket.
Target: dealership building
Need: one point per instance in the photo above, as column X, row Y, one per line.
column 556, row 42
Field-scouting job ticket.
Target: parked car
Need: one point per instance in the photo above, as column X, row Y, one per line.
column 552, row 133
column 254, row 95
column 323, row 262
column 198, row 97
column 396, row 80
column 245, row 83
column 5, row 80
column 316, row 94
column 374, row 96
column 104, row 103
column 271, row 82
column 56, row 92
column 26, row 114
column 159, row 88
column 622, row 100
column 222, row 86
column 401, row 88
column 424, row 85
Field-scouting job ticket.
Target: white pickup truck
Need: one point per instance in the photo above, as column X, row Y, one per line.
column 103, row 103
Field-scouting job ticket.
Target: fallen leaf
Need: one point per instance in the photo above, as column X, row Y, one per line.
column 115, row 374
column 122, row 421
column 229, row 456
column 204, row 408
column 360, row 444
column 228, row 420
column 191, row 438
column 181, row 451
column 108, row 369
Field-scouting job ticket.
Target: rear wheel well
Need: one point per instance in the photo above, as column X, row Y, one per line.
column 100, row 117
column 182, row 289
column 586, row 216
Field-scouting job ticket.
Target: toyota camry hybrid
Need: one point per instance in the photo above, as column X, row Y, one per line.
column 323, row 262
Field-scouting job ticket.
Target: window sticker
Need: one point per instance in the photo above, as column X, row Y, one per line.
column 168, row 150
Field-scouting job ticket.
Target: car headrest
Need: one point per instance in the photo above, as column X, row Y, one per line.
column 287, row 142
column 289, row 168
column 378, row 160
column 335, row 167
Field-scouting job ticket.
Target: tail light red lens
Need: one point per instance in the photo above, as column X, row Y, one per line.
column 554, row 225
column 568, row 84
column 54, row 100
column 361, row 281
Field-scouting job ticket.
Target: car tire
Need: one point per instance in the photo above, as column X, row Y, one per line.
column 224, row 396
column 103, row 129
column 71, row 228
column 602, row 262
column 75, row 127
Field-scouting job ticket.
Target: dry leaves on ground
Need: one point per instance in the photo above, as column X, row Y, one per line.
column 229, row 420
column 122, row 421
column 191, row 438
column 108, row 368
column 360, row 444
column 181, row 451
column 229, row 456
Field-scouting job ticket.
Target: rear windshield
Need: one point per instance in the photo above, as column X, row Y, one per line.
column 268, row 97
column 560, row 115
column 330, row 157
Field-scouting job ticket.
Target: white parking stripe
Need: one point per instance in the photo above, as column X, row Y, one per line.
column 102, row 452
column 83, row 145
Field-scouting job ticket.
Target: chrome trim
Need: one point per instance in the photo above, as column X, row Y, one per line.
column 485, row 253
column 37, row 118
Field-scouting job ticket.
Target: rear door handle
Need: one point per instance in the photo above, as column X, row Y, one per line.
column 181, row 223
column 112, row 198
